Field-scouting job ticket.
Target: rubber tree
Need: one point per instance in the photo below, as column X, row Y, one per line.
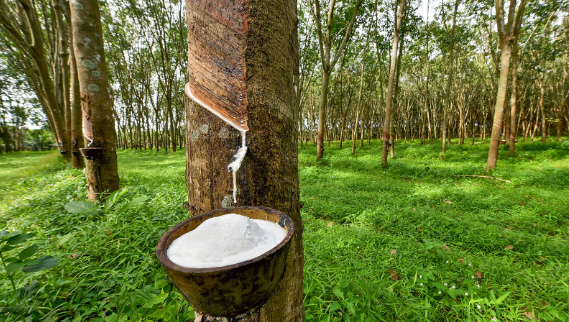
column 355, row 130
column 327, row 60
column 506, row 33
column 96, row 102
column 22, row 26
column 268, row 177
column 390, row 83
column 447, row 104
column 77, row 140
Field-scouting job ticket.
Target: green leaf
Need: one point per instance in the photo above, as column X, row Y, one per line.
column 81, row 207
column 351, row 308
column 112, row 318
column 6, row 248
column 136, row 201
column 28, row 252
column 344, row 283
column 113, row 198
column 18, row 239
column 13, row 267
column 45, row 262
column 31, row 261
column 64, row 239
column 338, row 293
column 502, row 297
column 335, row 306
column 3, row 233
column 11, row 260
column 29, row 290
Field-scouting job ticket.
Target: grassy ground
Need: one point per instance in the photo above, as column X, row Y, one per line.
column 418, row 241
column 16, row 165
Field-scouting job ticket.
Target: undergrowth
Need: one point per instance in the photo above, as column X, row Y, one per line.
column 418, row 241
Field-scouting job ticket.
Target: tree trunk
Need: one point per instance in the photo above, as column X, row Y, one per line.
column 322, row 114
column 447, row 104
column 513, row 99
column 542, row 108
column 269, row 174
column 389, row 103
column 77, row 139
column 355, row 129
column 96, row 102
column 499, row 109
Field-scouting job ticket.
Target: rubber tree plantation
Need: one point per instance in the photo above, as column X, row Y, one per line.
column 310, row 160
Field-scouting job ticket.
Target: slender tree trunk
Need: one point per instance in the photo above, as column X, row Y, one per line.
column 542, row 109
column 448, row 103
column 499, row 109
column 322, row 114
column 77, row 139
column 513, row 99
column 272, row 57
column 355, row 129
column 389, row 103
column 102, row 172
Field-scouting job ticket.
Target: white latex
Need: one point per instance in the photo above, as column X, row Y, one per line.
column 225, row 240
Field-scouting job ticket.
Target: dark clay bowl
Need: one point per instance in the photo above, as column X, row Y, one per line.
column 232, row 289
column 91, row 153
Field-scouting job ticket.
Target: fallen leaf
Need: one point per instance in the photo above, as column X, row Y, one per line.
column 330, row 224
column 535, row 224
column 419, row 228
column 313, row 198
column 542, row 201
column 393, row 251
column 478, row 274
column 414, row 209
column 543, row 303
column 394, row 275
column 446, row 247
column 461, row 260
column 522, row 203
column 530, row 316
column 509, row 247
column 448, row 201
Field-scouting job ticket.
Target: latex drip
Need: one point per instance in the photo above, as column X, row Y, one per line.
column 235, row 164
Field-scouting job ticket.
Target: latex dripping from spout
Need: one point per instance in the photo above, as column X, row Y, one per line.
column 235, row 164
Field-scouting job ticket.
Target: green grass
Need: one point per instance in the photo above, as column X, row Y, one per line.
column 420, row 219
column 18, row 164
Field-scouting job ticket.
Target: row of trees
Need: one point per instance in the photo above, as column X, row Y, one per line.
column 146, row 52
column 403, row 77
column 444, row 76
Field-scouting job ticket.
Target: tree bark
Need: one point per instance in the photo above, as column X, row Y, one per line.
column 513, row 99
column 389, row 103
column 77, row 139
column 96, row 102
column 506, row 32
column 447, row 104
column 355, row 129
column 269, row 174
